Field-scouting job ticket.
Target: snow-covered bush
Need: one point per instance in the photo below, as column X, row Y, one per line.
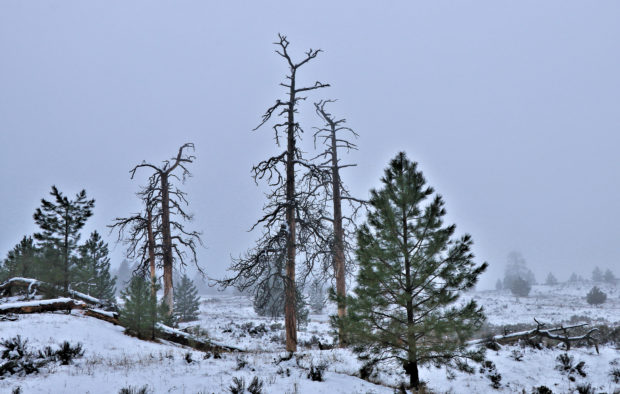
column 585, row 388
column 134, row 390
column 238, row 386
column 542, row 390
column 67, row 353
column 316, row 372
column 490, row 371
column 614, row 373
column 566, row 365
column 18, row 360
column 595, row 296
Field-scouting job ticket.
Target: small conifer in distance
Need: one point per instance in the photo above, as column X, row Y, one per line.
column 186, row 300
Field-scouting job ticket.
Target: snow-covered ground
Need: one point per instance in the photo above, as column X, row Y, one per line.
column 552, row 304
column 113, row 360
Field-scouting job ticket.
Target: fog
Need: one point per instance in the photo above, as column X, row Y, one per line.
column 510, row 109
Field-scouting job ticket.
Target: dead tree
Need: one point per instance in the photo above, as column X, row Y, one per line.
column 331, row 136
column 293, row 206
column 141, row 233
column 170, row 201
column 542, row 332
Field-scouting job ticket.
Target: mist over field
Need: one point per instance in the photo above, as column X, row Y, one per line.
column 258, row 197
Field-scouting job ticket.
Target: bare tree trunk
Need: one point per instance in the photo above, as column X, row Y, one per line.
column 151, row 246
column 66, row 254
column 167, row 242
column 290, row 315
column 339, row 247
column 339, row 259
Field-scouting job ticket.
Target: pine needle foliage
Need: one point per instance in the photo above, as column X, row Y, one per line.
column 186, row 300
column 92, row 271
column 412, row 269
column 139, row 313
column 60, row 222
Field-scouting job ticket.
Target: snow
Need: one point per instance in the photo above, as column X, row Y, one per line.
column 113, row 360
column 20, row 304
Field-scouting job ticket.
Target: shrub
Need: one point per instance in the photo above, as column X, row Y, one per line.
column 517, row 355
column 316, row 372
column 585, row 388
column 614, row 373
column 490, row 371
column 566, row 365
column 256, row 386
column 542, row 390
column 134, row 390
column 238, row 386
column 595, row 296
column 20, row 361
column 67, row 353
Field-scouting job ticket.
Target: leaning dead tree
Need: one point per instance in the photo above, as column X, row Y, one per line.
column 294, row 205
column 168, row 207
column 141, row 233
column 331, row 135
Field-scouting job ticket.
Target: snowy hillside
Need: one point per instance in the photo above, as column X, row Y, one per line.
column 113, row 360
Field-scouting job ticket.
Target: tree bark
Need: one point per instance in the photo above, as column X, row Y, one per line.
column 290, row 315
column 151, row 246
column 66, row 254
column 167, row 242
column 339, row 259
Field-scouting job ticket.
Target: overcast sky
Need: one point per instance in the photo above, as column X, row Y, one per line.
column 512, row 110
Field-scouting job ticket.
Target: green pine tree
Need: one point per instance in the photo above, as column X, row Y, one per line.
column 22, row 261
column 61, row 221
column 411, row 271
column 91, row 275
column 140, row 311
column 186, row 300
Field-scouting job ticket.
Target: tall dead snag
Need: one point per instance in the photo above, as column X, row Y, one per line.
column 293, row 209
column 337, row 192
column 141, row 233
column 168, row 201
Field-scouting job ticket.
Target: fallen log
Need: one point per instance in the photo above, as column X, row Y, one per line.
column 57, row 304
column 68, row 304
column 33, row 285
column 110, row 317
column 540, row 331
column 515, row 336
column 185, row 339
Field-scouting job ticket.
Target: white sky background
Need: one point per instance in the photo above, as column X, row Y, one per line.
column 511, row 109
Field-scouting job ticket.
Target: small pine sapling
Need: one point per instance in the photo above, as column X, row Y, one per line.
column 186, row 301
column 139, row 312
